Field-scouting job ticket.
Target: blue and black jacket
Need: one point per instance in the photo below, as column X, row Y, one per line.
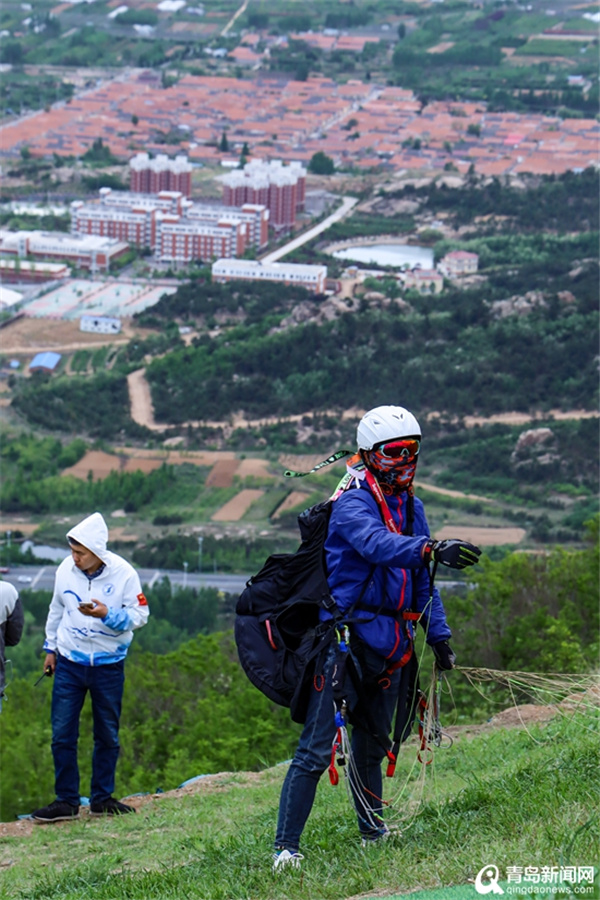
column 359, row 548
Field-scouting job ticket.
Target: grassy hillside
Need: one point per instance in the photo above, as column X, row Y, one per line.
column 512, row 797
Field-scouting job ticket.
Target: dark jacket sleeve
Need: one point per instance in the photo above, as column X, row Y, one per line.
column 434, row 616
column 14, row 625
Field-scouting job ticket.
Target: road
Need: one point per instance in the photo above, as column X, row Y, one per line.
column 42, row 579
column 236, row 15
column 347, row 204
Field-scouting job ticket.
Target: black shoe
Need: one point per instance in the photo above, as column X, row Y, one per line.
column 110, row 807
column 56, row 811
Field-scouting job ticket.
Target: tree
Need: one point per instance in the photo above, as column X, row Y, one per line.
column 224, row 144
column 12, row 53
column 99, row 152
column 321, row 164
column 302, row 71
column 244, row 155
column 134, row 119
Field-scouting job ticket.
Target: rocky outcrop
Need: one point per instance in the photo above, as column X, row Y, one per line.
column 518, row 305
column 535, row 446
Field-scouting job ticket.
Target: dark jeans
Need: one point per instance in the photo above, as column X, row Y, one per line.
column 313, row 755
column 72, row 681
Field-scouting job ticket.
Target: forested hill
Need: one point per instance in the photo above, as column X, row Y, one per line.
column 521, row 335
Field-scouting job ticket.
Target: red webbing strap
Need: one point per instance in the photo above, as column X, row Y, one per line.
column 391, row 766
column 337, row 743
column 378, row 494
column 270, row 634
column 424, row 747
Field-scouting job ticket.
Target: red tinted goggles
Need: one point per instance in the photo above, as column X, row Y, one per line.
column 404, row 449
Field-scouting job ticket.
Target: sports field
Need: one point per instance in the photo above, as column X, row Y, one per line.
column 77, row 297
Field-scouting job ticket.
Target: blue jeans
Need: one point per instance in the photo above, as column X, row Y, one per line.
column 313, row 755
column 72, row 681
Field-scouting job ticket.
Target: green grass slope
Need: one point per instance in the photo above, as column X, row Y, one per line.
column 503, row 797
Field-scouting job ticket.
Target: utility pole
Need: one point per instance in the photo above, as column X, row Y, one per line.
column 185, row 568
column 200, row 542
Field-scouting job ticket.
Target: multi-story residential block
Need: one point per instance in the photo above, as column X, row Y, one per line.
column 135, row 224
column 311, row 277
column 92, row 252
column 282, row 189
column 458, row 262
column 255, row 216
column 204, row 232
column 150, row 176
column 181, row 240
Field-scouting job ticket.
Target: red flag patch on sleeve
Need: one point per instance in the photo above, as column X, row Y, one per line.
column 142, row 600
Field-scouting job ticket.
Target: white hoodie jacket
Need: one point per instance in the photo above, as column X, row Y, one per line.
column 84, row 639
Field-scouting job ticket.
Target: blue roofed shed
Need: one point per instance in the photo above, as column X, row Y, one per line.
column 47, row 361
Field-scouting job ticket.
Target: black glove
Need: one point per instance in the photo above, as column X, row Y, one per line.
column 444, row 655
column 455, row 554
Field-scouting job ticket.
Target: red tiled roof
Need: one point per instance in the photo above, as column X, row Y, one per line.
column 255, row 110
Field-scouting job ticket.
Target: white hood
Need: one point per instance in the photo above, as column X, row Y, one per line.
column 93, row 534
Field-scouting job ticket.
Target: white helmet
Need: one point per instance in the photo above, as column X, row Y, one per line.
column 384, row 423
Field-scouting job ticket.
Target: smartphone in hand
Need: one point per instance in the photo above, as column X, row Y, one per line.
column 86, row 604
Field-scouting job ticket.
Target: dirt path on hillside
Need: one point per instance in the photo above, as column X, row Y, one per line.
column 142, row 412
column 140, row 399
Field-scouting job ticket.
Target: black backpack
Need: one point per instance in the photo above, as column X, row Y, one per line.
column 282, row 643
column 279, row 637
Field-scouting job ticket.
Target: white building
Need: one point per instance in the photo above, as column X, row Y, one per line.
column 311, row 277
column 426, row 281
column 100, row 324
column 458, row 262
column 87, row 251
column 9, row 297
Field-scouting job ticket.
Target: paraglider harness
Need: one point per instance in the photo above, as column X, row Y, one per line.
column 282, row 644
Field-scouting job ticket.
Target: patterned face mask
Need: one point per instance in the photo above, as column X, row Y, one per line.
column 394, row 475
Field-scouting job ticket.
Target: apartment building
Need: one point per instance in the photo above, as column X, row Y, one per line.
column 282, row 189
column 203, row 232
column 311, row 277
column 134, row 224
column 255, row 217
column 181, row 240
column 84, row 251
column 150, row 176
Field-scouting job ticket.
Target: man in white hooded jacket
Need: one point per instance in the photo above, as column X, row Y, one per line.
column 96, row 606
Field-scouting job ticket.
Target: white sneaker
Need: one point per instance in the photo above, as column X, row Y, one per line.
column 384, row 835
column 283, row 859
